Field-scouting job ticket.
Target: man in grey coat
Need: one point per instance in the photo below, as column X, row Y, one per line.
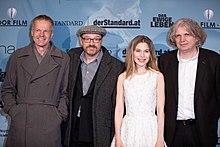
column 92, row 90
column 34, row 91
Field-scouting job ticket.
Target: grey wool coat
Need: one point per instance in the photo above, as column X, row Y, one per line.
column 104, row 96
column 35, row 97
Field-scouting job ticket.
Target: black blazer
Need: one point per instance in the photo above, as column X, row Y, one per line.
column 206, row 95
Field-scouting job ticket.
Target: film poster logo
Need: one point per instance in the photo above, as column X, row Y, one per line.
column 209, row 15
column 12, row 22
column 161, row 21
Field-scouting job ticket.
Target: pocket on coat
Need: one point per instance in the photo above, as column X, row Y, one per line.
column 13, row 111
column 57, row 113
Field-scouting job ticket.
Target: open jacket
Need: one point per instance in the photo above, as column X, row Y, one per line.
column 104, row 96
column 206, row 95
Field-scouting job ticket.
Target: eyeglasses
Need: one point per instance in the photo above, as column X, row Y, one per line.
column 88, row 40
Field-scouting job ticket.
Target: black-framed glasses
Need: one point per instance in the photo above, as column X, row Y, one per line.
column 88, row 40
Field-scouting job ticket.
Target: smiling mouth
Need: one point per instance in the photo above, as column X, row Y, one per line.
column 41, row 39
column 142, row 60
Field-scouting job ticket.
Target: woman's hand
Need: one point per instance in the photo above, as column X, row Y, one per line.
column 118, row 143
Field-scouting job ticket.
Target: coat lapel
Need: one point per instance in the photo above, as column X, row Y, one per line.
column 74, row 67
column 174, row 75
column 200, row 75
column 31, row 65
column 103, row 70
column 48, row 63
column 29, row 62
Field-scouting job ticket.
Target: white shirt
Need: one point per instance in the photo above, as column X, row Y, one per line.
column 186, row 84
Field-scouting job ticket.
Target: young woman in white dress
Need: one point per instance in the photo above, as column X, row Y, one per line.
column 141, row 90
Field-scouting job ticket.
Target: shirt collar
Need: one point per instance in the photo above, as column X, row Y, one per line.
column 47, row 50
column 186, row 60
column 97, row 60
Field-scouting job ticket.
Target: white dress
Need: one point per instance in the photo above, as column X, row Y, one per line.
column 139, row 125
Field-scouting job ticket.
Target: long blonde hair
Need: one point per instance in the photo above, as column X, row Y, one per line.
column 129, row 60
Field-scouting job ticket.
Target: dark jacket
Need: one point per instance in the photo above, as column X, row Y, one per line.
column 206, row 95
column 104, row 96
column 35, row 97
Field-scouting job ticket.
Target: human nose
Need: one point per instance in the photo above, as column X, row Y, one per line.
column 182, row 38
column 41, row 33
column 142, row 54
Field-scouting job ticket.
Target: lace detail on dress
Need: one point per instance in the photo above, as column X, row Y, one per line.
column 139, row 125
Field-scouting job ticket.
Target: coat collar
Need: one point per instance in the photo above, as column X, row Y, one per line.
column 104, row 67
column 30, row 64
column 27, row 51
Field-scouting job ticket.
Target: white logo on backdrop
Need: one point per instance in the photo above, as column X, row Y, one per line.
column 208, row 13
column 12, row 12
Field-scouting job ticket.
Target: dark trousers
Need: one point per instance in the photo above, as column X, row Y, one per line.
column 186, row 135
column 74, row 142
column 82, row 144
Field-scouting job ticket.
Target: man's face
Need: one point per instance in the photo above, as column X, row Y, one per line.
column 91, row 44
column 185, row 41
column 42, row 33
